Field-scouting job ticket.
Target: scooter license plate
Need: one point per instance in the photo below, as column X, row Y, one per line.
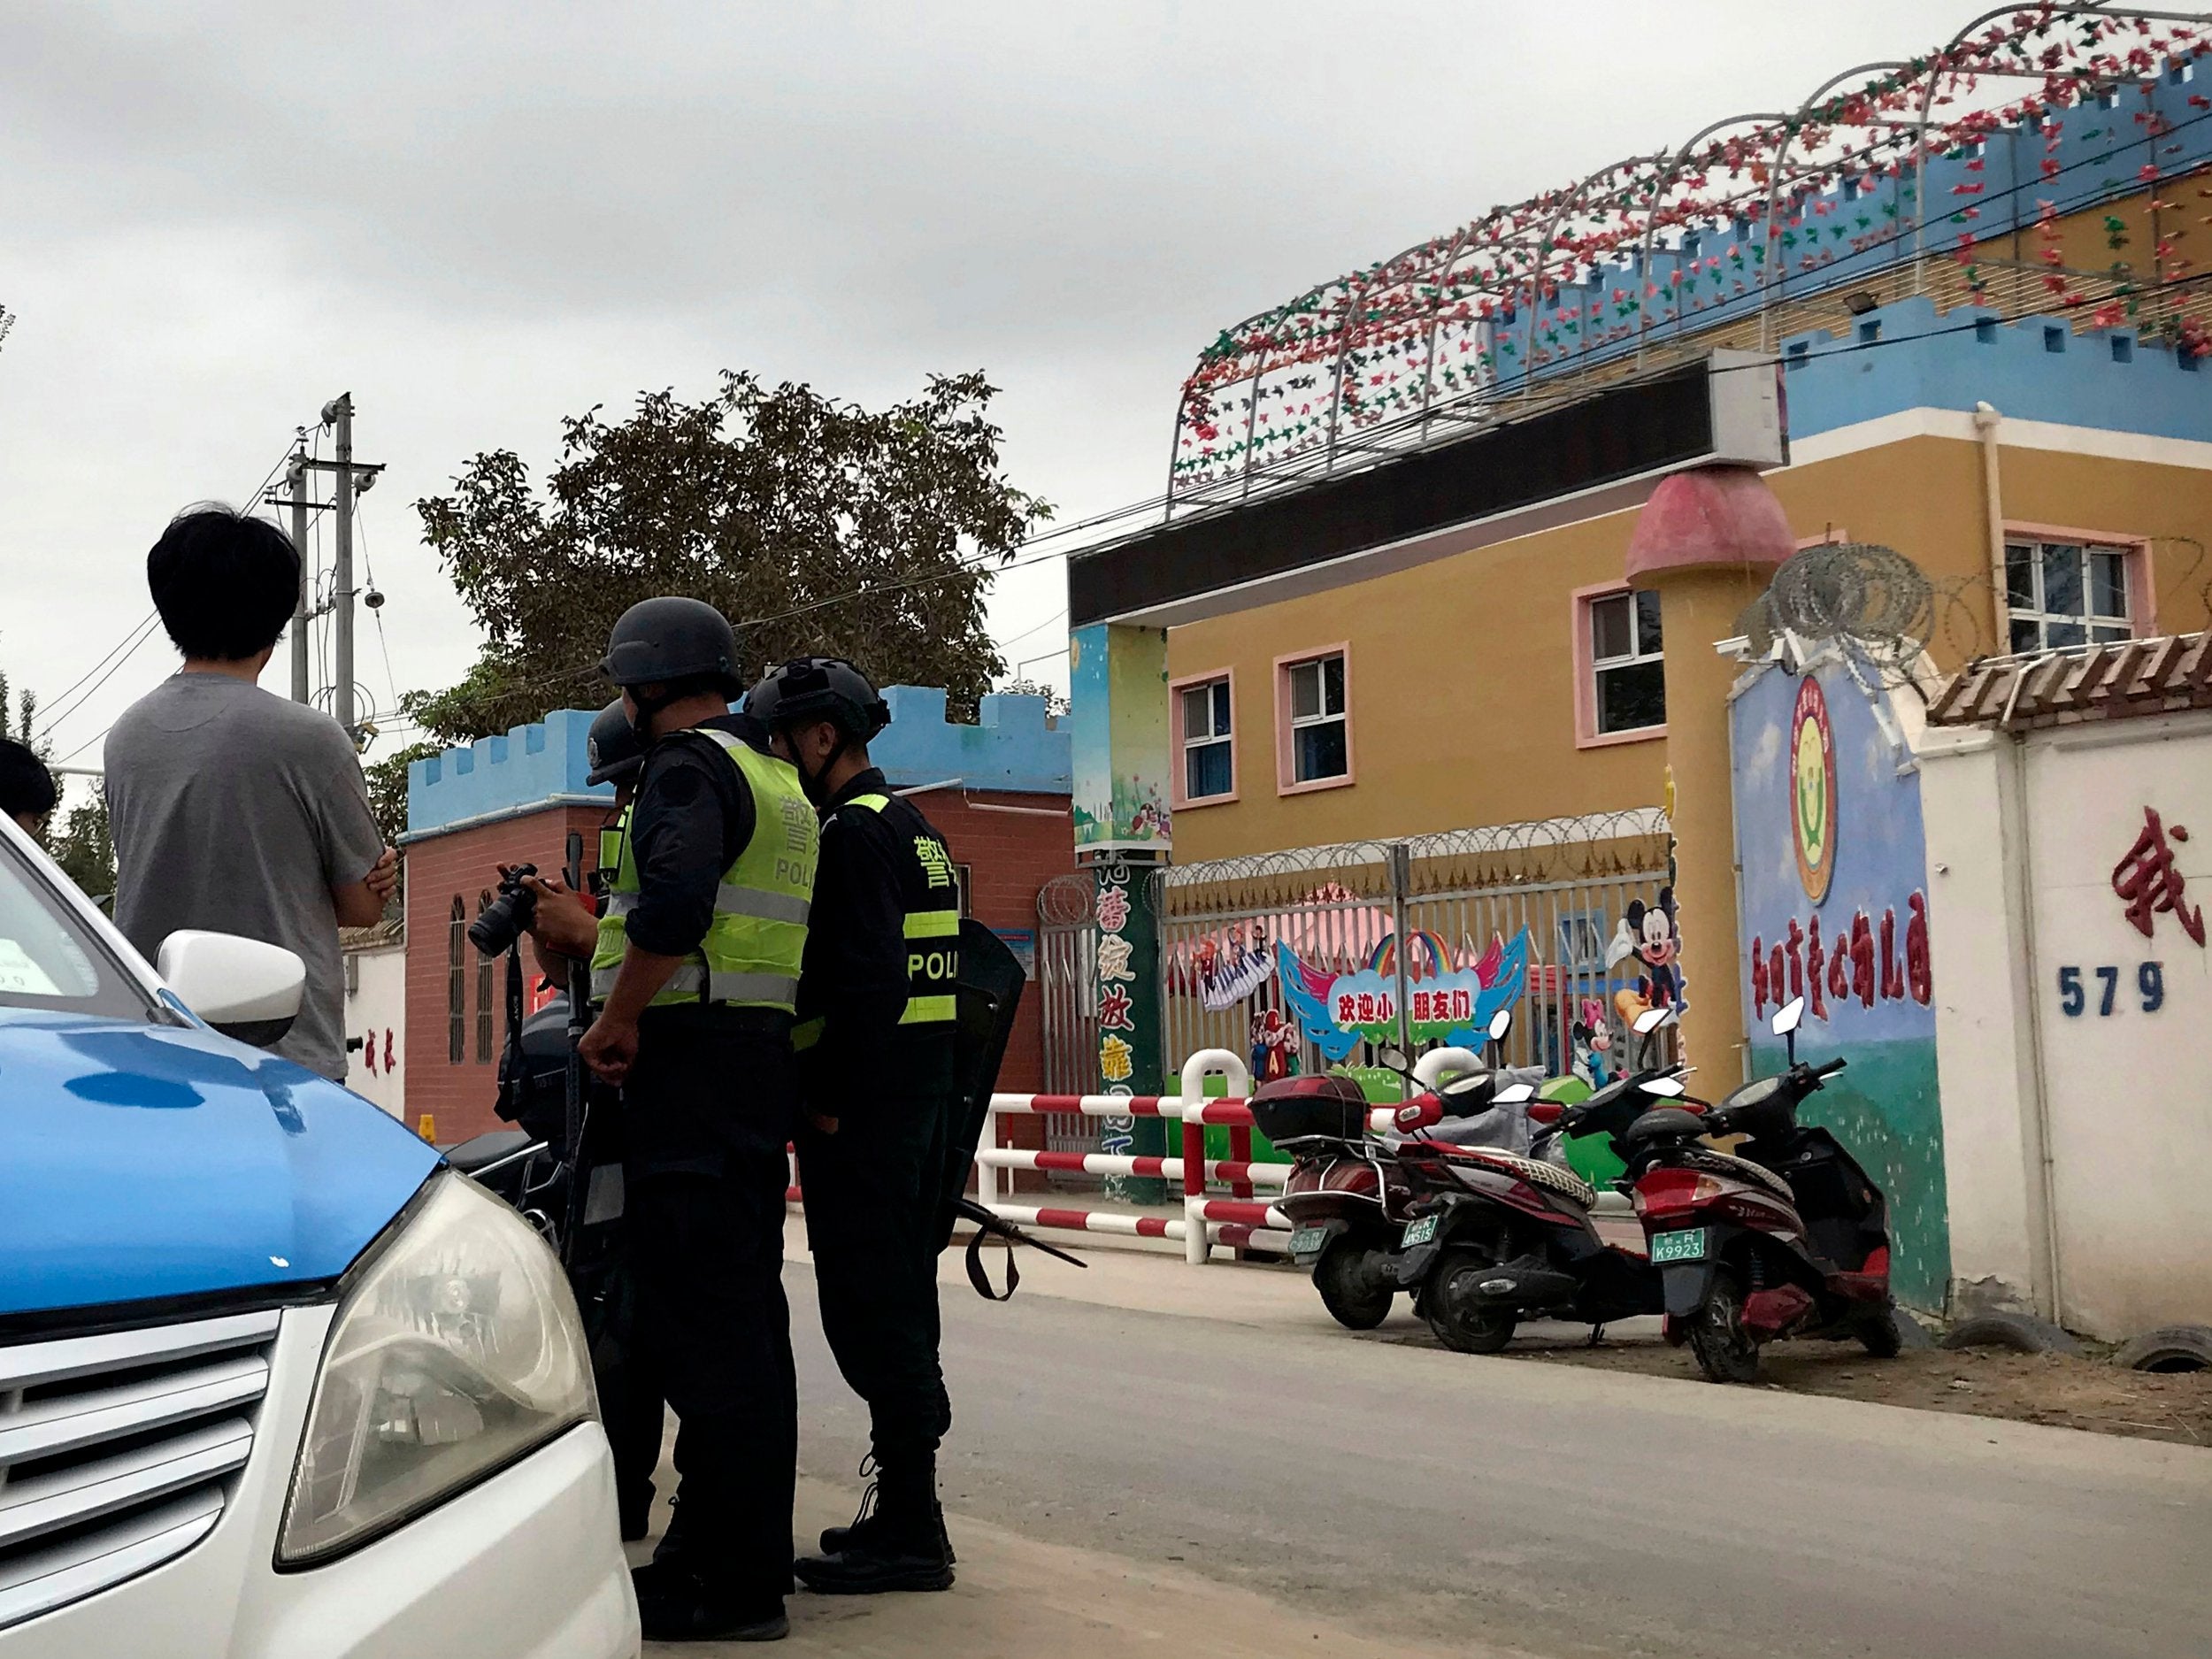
column 1688, row 1245
column 1419, row 1231
column 1308, row 1241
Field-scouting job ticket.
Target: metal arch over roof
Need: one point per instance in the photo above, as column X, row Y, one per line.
column 1632, row 262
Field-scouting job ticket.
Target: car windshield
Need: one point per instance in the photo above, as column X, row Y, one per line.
column 50, row 960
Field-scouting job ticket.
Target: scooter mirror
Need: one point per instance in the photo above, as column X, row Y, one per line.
column 1667, row 1086
column 1651, row 1021
column 1512, row 1094
column 1789, row 1017
column 1501, row 1023
column 1395, row 1058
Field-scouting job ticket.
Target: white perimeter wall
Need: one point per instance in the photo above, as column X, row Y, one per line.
column 374, row 1011
column 2077, row 1145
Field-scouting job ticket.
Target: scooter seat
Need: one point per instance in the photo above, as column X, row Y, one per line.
column 1566, row 1183
column 1742, row 1169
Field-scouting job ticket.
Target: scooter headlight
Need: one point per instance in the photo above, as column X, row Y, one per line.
column 457, row 1351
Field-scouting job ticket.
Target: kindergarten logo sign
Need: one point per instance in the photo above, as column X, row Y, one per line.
column 1813, row 789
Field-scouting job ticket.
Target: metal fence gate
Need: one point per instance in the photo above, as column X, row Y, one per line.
column 1570, row 882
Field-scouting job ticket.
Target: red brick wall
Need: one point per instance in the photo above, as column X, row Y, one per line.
column 1009, row 855
column 439, row 869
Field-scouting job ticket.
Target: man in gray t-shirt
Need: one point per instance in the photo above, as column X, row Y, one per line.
column 234, row 809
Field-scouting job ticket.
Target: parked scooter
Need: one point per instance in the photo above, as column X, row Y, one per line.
column 1348, row 1197
column 1790, row 1238
column 1494, row 1239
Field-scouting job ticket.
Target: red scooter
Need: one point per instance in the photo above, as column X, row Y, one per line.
column 1791, row 1239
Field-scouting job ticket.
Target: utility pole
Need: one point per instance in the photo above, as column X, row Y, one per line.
column 295, row 475
column 339, row 412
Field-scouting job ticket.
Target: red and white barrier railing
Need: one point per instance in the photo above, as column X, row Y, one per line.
column 1239, row 1220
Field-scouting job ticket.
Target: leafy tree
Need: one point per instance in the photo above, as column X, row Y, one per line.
column 1055, row 700
column 815, row 525
column 387, row 788
column 81, row 845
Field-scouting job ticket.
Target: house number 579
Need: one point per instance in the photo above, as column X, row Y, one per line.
column 2075, row 996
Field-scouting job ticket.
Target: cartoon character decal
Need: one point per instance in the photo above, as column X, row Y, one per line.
column 1593, row 1044
column 1274, row 1047
column 1648, row 932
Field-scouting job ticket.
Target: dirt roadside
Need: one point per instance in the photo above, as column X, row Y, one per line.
column 2063, row 1391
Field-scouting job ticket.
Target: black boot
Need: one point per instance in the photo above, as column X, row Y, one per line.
column 676, row 1603
column 864, row 1521
column 897, row 1542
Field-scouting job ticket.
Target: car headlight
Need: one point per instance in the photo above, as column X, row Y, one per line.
column 457, row 1350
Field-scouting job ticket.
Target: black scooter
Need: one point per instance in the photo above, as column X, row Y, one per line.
column 1502, row 1238
column 1790, row 1238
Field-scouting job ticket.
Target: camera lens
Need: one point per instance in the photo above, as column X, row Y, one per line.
column 503, row 921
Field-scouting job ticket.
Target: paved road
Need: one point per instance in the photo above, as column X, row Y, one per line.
column 1561, row 1512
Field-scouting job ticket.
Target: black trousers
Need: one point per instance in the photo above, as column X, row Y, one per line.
column 711, row 1332
column 871, row 1216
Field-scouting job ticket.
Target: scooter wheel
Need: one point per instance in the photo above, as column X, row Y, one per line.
column 1725, row 1351
column 1356, row 1298
column 1461, row 1321
column 1879, row 1334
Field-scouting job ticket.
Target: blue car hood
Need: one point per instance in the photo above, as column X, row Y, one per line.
column 146, row 1161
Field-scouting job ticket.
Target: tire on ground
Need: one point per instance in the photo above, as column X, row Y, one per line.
column 2169, row 1348
column 2021, row 1332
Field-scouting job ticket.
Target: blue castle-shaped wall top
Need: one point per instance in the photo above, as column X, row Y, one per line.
column 1012, row 749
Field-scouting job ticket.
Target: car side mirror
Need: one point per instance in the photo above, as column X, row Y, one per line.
column 243, row 988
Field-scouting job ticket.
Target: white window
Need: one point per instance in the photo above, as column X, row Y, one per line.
column 1319, row 748
column 2064, row 593
column 1209, row 760
column 1627, row 669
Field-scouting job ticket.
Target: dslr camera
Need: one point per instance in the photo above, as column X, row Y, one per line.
column 502, row 922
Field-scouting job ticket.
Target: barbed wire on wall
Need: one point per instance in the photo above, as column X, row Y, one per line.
column 1894, row 614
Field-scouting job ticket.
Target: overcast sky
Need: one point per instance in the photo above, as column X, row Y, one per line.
column 480, row 217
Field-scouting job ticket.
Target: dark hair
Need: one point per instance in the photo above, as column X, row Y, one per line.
column 226, row 585
column 26, row 785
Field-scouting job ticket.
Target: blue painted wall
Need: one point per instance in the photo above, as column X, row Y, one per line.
column 2034, row 368
column 1847, row 234
column 1884, row 1105
column 1010, row 750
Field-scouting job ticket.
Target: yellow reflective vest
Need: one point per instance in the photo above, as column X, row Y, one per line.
column 750, row 955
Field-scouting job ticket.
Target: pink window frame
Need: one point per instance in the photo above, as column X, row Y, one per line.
column 1586, row 732
column 2142, row 599
column 1285, row 770
column 1176, row 795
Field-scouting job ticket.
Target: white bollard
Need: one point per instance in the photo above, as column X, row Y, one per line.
column 1196, row 1069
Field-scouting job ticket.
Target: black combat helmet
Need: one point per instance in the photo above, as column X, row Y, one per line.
column 808, row 688
column 612, row 746
column 671, row 638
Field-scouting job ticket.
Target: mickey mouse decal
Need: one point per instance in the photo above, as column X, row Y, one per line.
column 1648, row 932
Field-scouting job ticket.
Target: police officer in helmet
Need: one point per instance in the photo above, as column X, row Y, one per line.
column 875, row 1038
column 696, row 973
column 563, row 932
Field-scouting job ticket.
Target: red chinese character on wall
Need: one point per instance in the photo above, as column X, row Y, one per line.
column 1113, row 910
column 2149, row 883
column 1113, row 1009
column 1346, row 1010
